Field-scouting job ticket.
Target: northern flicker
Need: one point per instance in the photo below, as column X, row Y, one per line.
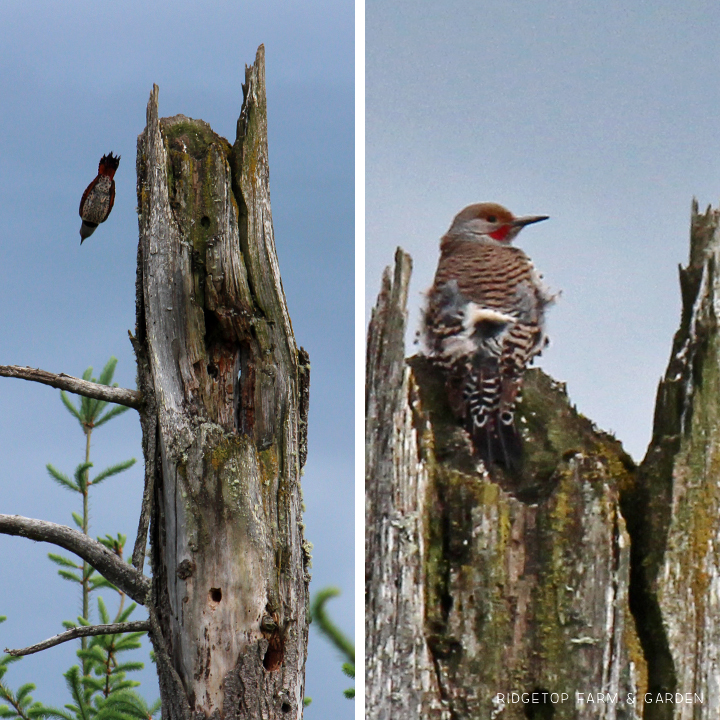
column 484, row 323
column 99, row 196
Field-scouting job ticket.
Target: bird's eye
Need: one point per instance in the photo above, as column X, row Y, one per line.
column 491, row 219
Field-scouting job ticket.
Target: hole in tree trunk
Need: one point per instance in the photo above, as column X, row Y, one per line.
column 216, row 594
column 205, row 221
column 275, row 654
column 541, row 707
column 286, row 707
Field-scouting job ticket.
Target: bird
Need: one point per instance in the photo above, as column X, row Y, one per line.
column 484, row 323
column 99, row 196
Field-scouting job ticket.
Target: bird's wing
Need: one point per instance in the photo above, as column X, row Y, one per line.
column 88, row 190
column 112, row 201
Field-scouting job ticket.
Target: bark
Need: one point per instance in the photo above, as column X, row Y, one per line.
column 400, row 680
column 674, row 509
column 225, row 391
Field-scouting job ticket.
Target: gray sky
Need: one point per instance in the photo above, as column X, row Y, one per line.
column 602, row 115
column 74, row 81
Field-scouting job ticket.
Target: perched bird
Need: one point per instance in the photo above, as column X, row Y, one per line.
column 99, row 196
column 484, row 323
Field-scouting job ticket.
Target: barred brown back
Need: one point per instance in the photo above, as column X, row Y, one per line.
column 488, row 273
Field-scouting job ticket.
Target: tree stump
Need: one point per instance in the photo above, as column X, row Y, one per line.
column 224, row 419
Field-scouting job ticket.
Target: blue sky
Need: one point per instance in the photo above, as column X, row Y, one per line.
column 602, row 115
column 75, row 80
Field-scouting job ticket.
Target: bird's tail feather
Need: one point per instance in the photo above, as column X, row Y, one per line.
column 493, row 431
column 497, row 443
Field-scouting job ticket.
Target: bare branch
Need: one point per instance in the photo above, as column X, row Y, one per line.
column 83, row 631
column 109, row 565
column 121, row 396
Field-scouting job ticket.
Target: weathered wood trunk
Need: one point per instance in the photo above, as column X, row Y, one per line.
column 674, row 507
column 586, row 580
column 224, row 421
column 399, row 680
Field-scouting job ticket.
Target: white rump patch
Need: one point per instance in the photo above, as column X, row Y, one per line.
column 474, row 314
column 464, row 344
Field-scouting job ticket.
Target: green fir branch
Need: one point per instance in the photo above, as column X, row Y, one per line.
column 133, row 705
column 86, row 402
column 95, row 407
column 65, row 562
column 72, row 577
column 53, row 712
column 113, row 412
column 333, row 633
column 327, row 627
column 81, row 473
column 18, row 705
column 95, row 656
column 124, row 616
column 108, row 371
column 102, row 610
column 24, row 691
column 349, row 670
column 113, row 470
column 129, row 641
column 100, row 582
column 101, row 657
column 82, row 708
column 114, row 544
column 69, row 405
column 62, row 479
column 129, row 666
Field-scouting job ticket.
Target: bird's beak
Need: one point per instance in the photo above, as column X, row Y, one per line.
column 528, row 220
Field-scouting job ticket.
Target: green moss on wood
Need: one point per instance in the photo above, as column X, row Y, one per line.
column 192, row 137
column 502, row 553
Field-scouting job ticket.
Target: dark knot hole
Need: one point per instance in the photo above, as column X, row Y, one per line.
column 541, row 707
